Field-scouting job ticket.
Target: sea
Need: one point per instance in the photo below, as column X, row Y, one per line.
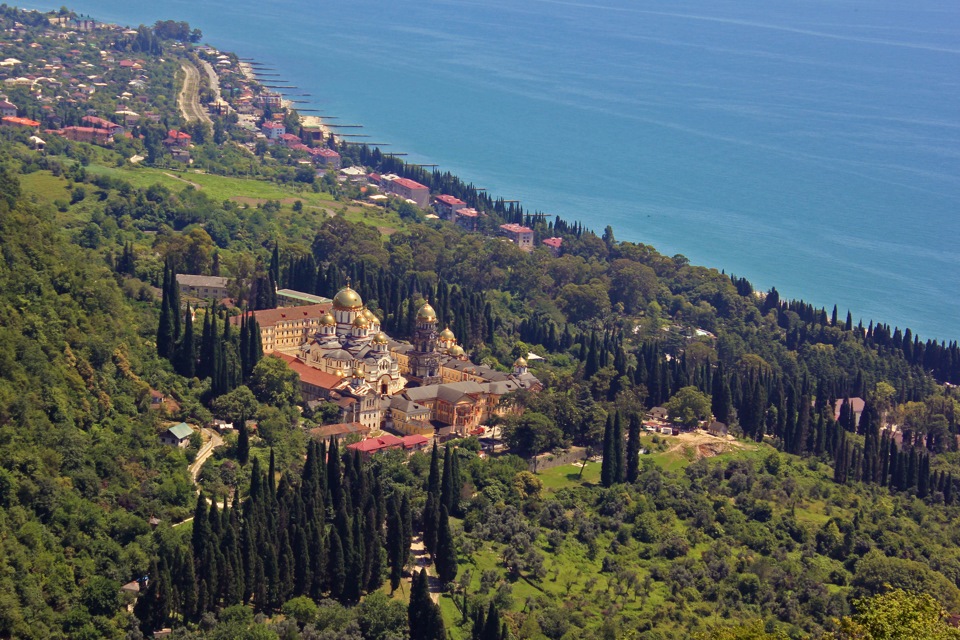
column 807, row 145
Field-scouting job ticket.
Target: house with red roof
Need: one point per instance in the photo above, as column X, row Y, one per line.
column 13, row 121
column 405, row 188
column 85, row 134
column 273, row 130
column 518, row 234
column 177, row 139
column 324, row 157
column 100, row 123
column 446, row 206
column 553, row 244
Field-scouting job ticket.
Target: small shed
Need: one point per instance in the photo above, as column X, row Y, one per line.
column 177, row 436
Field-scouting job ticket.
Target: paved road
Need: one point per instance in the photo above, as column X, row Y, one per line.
column 189, row 98
column 214, row 83
column 213, row 441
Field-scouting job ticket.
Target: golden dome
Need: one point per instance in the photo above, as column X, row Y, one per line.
column 520, row 363
column 347, row 300
column 456, row 351
column 380, row 338
column 327, row 320
column 358, row 372
column 446, row 334
column 370, row 316
column 360, row 322
column 426, row 313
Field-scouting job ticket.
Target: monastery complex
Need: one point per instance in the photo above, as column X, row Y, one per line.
column 424, row 387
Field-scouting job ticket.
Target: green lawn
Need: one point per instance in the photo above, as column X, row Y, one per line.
column 568, row 475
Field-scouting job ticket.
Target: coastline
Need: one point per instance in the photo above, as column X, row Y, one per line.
column 313, row 122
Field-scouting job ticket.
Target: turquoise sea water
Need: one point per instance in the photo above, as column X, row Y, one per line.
column 811, row 145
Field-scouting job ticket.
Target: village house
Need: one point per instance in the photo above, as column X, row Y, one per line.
column 519, row 235
column 100, row 123
column 177, row 139
column 446, row 206
column 273, row 130
column 204, row 287
column 553, row 244
column 177, row 436
column 326, row 158
column 85, row 134
column 13, row 121
column 8, row 109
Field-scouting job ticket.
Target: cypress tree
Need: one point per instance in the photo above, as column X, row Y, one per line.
column 186, row 351
column 431, row 517
column 608, row 464
column 446, row 550
column 165, row 336
column 423, row 615
column 633, row 449
column 337, row 567
column 492, row 628
column 619, row 469
column 243, row 442
column 446, row 483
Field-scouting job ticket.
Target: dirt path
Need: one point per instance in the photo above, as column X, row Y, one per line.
column 189, row 98
column 421, row 560
column 192, row 184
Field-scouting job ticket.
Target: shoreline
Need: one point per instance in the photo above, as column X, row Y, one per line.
column 313, row 122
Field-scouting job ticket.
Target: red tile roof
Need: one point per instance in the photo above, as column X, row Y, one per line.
column 371, row 445
column 516, row 228
column 450, row 200
column 23, row 122
column 409, row 442
column 308, row 374
column 270, row 317
column 409, row 184
column 553, row 242
column 178, row 135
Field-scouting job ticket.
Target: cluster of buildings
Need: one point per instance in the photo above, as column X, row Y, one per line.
column 67, row 62
column 424, row 387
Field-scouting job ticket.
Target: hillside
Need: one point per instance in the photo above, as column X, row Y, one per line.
column 836, row 480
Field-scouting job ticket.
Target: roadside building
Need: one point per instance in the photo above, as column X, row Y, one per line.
column 177, row 436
